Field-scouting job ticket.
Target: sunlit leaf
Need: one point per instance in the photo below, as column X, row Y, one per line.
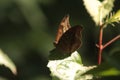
column 69, row 68
column 76, row 57
column 113, row 18
column 92, row 7
column 98, row 10
column 106, row 8
column 6, row 61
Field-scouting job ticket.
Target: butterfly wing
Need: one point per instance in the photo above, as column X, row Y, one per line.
column 70, row 41
column 63, row 27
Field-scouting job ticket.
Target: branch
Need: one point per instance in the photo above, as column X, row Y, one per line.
column 111, row 41
column 100, row 45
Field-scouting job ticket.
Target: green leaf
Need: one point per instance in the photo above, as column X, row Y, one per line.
column 104, row 70
column 110, row 72
column 69, row 68
column 2, row 78
column 6, row 61
column 98, row 10
column 113, row 18
column 76, row 57
column 110, row 68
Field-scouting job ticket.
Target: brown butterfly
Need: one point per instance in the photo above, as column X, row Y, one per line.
column 68, row 39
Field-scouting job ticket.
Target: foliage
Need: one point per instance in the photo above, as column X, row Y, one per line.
column 27, row 30
column 98, row 10
column 5, row 60
column 113, row 18
column 69, row 68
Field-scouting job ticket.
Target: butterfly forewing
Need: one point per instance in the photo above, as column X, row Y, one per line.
column 63, row 27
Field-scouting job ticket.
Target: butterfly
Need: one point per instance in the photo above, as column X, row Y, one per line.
column 68, row 39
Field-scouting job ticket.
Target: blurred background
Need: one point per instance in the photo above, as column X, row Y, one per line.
column 28, row 29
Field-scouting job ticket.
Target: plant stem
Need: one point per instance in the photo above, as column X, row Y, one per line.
column 111, row 41
column 100, row 45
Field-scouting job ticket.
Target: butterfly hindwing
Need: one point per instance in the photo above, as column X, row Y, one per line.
column 70, row 40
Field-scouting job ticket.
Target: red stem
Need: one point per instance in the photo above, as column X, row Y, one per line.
column 111, row 41
column 100, row 45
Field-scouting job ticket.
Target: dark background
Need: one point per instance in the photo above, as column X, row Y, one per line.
column 28, row 29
